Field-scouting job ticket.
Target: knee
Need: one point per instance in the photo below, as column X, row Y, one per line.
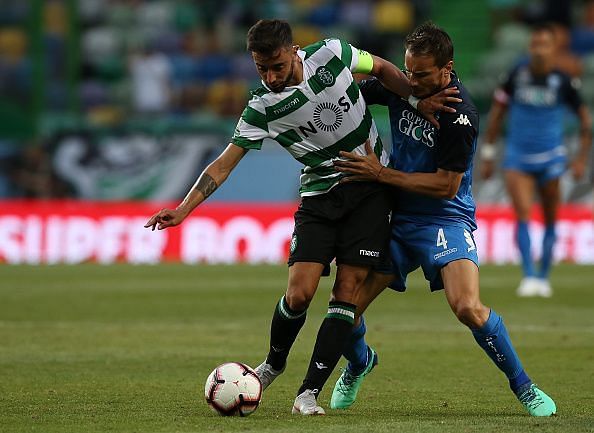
column 345, row 292
column 298, row 298
column 474, row 315
column 348, row 288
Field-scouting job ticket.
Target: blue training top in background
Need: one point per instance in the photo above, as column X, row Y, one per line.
column 537, row 106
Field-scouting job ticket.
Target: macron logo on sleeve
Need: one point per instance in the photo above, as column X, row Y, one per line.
column 463, row 120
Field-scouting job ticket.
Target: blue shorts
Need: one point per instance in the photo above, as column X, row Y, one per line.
column 430, row 246
column 542, row 171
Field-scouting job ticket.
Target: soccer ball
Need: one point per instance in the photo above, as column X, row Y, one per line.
column 233, row 389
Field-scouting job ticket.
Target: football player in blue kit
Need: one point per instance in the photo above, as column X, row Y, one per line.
column 433, row 215
column 536, row 95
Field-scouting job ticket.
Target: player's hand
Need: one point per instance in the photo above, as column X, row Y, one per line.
column 359, row 167
column 434, row 103
column 487, row 169
column 166, row 218
column 578, row 168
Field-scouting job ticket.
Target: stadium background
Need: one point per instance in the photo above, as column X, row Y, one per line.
column 114, row 107
column 86, row 156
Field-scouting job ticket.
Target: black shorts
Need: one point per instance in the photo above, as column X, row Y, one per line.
column 349, row 223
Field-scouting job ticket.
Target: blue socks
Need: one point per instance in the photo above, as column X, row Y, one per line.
column 523, row 240
column 356, row 351
column 548, row 241
column 492, row 337
column 495, row 341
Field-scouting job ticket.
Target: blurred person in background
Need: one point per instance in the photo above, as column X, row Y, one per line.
column 582, row 35
column 565, row 60
column 310, row 104
column 536, row 94
column 33, row 175
column 150, row 72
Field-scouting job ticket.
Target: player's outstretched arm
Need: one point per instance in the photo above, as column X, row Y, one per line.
column 360, row 168
column 441, row 184
column 211, row 178
column 390, row 76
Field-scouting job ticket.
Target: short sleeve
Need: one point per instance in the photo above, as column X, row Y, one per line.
column 348, row 54
column 252, row 126
column 505, row 90
column 457, row 135
column 374, row 93
column 571, row 93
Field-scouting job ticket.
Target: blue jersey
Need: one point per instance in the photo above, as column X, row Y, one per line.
column 537, row 105
column 418, row 147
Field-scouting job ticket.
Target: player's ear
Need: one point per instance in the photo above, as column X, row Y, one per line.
column 448, row 68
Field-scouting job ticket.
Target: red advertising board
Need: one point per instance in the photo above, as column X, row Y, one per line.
column 78, row 231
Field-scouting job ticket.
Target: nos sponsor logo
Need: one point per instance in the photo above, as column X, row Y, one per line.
column 327, row 116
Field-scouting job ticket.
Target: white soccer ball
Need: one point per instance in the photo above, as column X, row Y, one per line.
column 233, row 389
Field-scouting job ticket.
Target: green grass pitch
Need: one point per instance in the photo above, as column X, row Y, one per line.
column 127, row 349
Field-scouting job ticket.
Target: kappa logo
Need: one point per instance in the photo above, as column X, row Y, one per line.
column 321, row 365
column 293, row 246
column 445, row 253
column 463, row 120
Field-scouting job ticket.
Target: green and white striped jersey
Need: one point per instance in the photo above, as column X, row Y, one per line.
column 315, row 119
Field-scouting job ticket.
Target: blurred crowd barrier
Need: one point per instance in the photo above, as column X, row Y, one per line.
column 106, row 232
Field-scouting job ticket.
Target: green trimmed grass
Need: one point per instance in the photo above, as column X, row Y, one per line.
column 127, row 348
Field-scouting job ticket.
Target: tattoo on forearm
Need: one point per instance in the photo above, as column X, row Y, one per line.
column 206, row 185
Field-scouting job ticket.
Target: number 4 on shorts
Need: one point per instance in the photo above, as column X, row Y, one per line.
column 441, row 239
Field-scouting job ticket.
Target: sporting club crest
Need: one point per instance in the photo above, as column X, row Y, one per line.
column 325, row 76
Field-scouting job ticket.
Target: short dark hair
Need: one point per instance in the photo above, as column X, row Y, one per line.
column 431, row 40
column 267, row 36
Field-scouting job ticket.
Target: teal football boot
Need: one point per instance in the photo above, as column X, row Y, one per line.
column 347, row 386
column 536, row 402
